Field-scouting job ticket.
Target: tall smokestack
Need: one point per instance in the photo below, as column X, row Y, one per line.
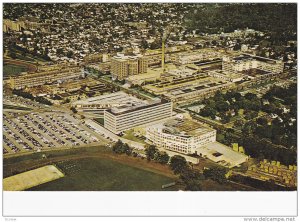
column 163, row 56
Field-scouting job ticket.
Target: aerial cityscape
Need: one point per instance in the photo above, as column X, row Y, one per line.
column 149, row 97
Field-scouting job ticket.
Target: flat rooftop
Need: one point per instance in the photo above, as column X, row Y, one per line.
column 125, row 57
column 198, row 52
column 183, row 127
column 204, row 86
column 129, row 107
column 230, row 74
column 255, row 72
column 117, row 98
column 42, row 73
column 252, row 57
column 182, row 71
column 222, row 154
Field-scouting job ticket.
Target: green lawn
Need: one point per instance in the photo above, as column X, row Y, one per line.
column 94, row 174
column 89, row 173
column 129, row 134
column 12, row 70
column 56, row 153
column 220, row 137
column 100, row 121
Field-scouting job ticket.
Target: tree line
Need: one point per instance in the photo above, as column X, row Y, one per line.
column 280, row 20
column 28, row 95
column 193, row 178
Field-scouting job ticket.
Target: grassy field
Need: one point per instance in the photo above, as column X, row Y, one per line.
column 94, row 174
column 98, row 169
column 129, row 134
column 94, row 168
column 13, row 70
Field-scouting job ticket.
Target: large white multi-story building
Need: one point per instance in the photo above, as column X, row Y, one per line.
column 121, row 118
column 180, row 135
column 246, row 62
column 98, row 104
column 186, row 136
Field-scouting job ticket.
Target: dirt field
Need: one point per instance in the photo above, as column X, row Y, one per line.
column 31, row 178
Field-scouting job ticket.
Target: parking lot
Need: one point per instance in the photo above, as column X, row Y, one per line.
column 23, row 102
column 37, row 131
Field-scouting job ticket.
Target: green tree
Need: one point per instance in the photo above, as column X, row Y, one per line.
column 119, row 147
column 70, row 54
column 222, row 106
column 262, row 121
column 13, row 55
column 250, row 114
column 144, row 44
column 208, row 111
column 250, row 96
column 163, row 157
column 150, row 152
column 59, row 51
column 239, row 123
column 192, row 179
column 216, row 174
column 73, row 110
column 178, row 164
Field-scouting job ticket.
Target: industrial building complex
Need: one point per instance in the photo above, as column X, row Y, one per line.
column 187, row 136
column 107, row 96
column 49, row 75
column 174, row 77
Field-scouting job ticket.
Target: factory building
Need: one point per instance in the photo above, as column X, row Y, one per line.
column 52, row 74
column 247, row 62
column 184, row 58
